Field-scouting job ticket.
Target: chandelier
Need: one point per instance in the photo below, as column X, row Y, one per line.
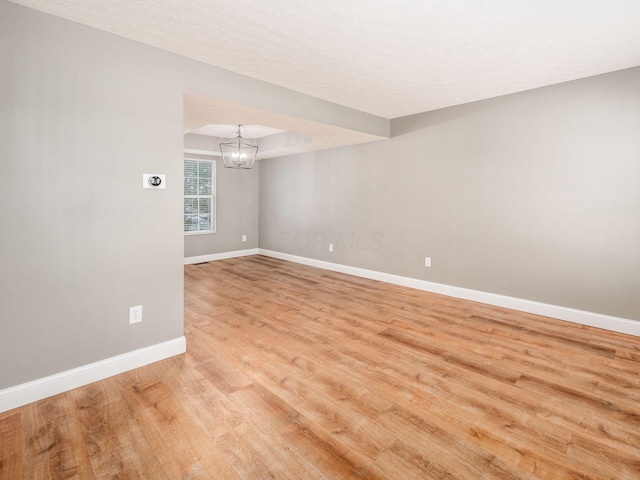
column 238, row 152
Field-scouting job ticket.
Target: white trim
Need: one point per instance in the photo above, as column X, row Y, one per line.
column 199, row 232
column 207, row 153
column 220, row 256
column 19, row 395
column 607, row 322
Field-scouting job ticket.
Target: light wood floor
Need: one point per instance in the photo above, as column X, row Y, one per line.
column 297, row 373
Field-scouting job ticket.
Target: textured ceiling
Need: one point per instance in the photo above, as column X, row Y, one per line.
column 388, row 58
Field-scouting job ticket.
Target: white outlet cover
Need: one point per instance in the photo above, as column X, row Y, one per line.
column 244, row 238
column 331, row 247
column 427, row 261
column 147, row 176
column 135, row 314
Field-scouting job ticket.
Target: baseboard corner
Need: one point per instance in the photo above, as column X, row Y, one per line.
column 212, row 257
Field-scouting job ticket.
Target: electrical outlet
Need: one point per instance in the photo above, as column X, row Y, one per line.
column 331, row 247
column 135, row 314
column 427, row 261
column 244, row 238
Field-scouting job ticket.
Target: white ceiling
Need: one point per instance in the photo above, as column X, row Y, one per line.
column 388, row 58
column 200, row 113
column 230, row 131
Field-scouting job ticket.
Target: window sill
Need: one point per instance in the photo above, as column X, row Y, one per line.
column 204, row 232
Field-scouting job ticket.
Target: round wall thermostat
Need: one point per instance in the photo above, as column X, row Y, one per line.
column 155, row 181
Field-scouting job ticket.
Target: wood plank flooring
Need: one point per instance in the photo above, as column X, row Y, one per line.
column 297, row 373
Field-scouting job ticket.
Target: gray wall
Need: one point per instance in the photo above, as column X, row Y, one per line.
column 83, row 114
column 236, row 211
column 81, row 119
column 534, row 195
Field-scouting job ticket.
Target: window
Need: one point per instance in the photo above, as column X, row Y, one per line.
column 199, row 196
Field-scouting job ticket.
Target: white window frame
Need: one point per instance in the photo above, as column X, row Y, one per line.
column 212, row 197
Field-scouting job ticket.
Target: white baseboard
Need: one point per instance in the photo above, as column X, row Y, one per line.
column 607, row 322
column 220, row 256
column 35, row 390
